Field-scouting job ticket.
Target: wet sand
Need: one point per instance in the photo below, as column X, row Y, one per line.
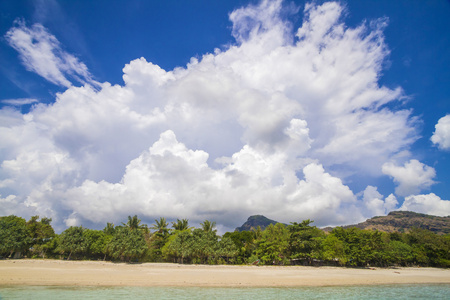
column 96, row 273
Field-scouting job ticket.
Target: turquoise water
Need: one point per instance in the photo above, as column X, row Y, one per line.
column 436, row 291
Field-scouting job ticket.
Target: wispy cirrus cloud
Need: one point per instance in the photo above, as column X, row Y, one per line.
column 41, row 53
column 19, row 101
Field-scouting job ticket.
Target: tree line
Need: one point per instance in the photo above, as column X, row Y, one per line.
column 279, row 244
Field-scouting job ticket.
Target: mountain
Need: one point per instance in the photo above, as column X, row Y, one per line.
column 395, row 221
column 254, row 222
column 402, row 221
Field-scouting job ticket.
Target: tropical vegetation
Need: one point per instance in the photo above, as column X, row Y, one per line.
column 297, row 243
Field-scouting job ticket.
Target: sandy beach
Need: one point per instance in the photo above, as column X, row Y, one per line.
column 94, row 273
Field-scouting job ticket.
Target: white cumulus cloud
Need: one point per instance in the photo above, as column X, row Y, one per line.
column 375, row 204
column 430, row 204
column 171, row 180
column 411, row 178
column 268, row 125
column 441, row 136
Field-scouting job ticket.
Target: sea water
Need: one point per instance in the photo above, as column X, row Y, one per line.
column 407, row 291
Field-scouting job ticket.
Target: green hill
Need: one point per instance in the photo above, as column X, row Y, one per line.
column 395, row 221
column 254, row 221
column 402, row 221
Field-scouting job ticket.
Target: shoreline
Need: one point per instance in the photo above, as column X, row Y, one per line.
column 38, row 272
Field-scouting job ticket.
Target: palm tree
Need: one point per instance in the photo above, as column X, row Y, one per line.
column 180, row 225
column 109, row 229
column 133, row 223
column 208, row 226
column 161, row 226
column 159, row 237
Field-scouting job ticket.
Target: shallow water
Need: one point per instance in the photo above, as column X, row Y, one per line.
column 409, row 291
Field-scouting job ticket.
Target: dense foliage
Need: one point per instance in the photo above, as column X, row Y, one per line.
column 297, row 243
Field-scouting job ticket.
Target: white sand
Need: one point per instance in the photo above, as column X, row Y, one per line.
column 94, row 273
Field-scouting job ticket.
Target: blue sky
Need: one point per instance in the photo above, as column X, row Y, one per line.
column 332, row 111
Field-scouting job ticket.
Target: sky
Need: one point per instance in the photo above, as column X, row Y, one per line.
column 329, row 111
